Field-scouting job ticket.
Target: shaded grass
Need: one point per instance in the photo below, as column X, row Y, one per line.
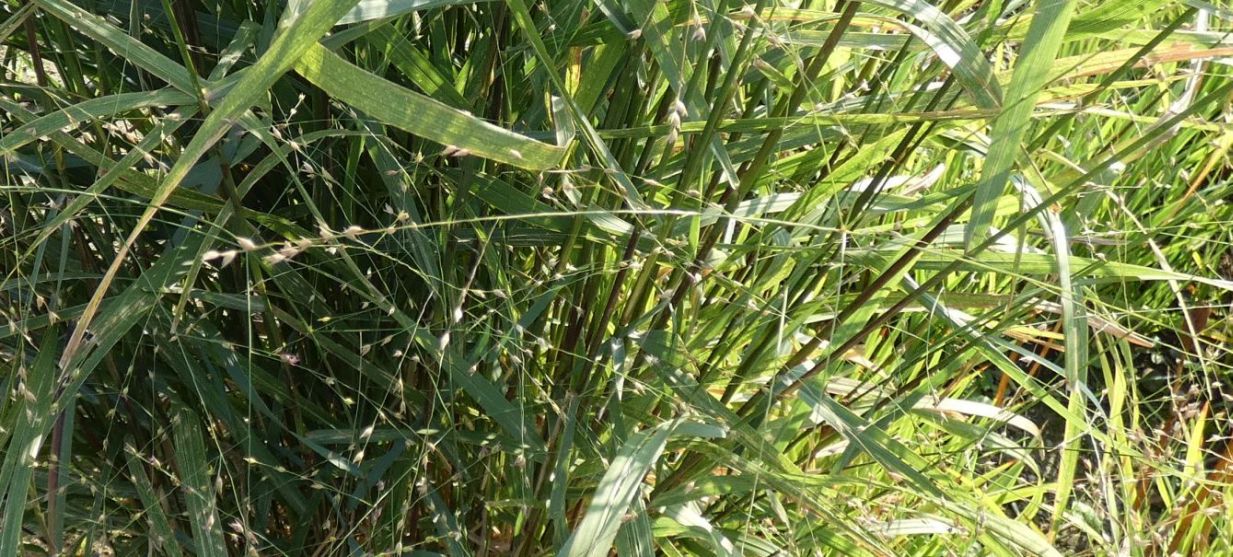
column 883, row 277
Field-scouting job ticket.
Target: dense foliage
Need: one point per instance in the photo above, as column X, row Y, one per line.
column 828, row 277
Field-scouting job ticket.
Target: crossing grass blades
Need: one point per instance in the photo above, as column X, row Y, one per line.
column 444, row 277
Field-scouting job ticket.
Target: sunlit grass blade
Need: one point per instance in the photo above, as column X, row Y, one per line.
column 421, row 115
column 597, row 530
column 455, row 277
column 1036, row 57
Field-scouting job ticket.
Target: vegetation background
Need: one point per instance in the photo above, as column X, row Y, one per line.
column 704, row 277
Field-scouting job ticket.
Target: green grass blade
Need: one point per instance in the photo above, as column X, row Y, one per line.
column 35, row 414
column 196, row 485
column 381, row 9
column 954, row 47
column 162, row 535
column 415, row 65
column 297, row 36
column 594, row 535
column 423, row 116
column 1036, row 58
column 121, row 43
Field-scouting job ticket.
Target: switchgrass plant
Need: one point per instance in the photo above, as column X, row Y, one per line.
column 417, row 277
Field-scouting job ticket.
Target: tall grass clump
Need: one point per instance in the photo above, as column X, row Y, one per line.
column 680, row 277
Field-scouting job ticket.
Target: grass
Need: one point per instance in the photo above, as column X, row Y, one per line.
column 385, row 277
